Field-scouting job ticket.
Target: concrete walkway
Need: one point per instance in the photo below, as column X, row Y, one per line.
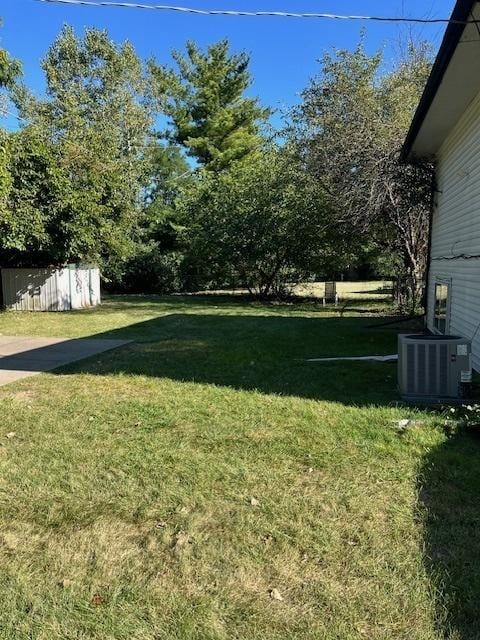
column 21, row 357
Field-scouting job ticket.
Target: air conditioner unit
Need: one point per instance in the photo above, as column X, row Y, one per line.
column 434, row 368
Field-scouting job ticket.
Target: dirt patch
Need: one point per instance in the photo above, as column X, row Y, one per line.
column 24, row 396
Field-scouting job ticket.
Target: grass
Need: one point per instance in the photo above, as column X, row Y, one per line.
column 206, row 482
column 347, row 291
column 367, row 290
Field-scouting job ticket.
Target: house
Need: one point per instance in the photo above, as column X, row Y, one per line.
column 446, row 130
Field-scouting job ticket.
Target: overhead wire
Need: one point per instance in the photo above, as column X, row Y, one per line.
column 5, row 112
column 241, row 13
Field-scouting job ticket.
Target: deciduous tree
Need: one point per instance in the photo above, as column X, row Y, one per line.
column 349, row 130
column 260, row 225
column 98, row 121
column 10, row 70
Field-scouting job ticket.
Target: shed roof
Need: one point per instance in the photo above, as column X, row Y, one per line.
column 453, row 83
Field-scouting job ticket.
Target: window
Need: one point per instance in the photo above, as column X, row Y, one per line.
column 440, row 315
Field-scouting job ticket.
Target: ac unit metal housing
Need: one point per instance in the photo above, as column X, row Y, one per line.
column 433, row 368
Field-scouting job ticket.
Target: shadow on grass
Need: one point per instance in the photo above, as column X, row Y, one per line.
column 254, row 352
column 242, row 301
column 450, row 494
column 245, row 345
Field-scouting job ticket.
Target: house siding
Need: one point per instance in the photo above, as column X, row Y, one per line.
column 456, row 228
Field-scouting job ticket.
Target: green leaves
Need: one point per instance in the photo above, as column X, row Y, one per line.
column 10, row 69
column 260, row 224
column 204, row 99
column 349, row 129
column 79, row 177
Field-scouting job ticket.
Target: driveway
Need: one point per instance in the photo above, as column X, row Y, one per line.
column 21, row 357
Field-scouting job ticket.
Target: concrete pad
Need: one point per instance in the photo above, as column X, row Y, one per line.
column 21, row 357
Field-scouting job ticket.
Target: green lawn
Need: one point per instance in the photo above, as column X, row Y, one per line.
column 205, row 482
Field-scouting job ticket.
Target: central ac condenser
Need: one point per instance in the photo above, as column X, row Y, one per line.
column 433, row 368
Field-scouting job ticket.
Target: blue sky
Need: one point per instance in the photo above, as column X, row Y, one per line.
column 284, row 51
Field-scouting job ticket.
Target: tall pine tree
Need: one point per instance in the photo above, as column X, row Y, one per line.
column 204, row 99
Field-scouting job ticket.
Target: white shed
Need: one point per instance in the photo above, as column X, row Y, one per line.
column 51, row 288
column 446, row 130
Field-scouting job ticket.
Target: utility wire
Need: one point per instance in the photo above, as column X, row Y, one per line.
column 280, row 14
column 4, row 113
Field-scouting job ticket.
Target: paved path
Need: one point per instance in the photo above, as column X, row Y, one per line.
column 21, row 357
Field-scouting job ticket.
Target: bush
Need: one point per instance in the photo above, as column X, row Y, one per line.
column 149, row 271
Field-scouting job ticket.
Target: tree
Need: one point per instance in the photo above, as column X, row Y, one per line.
column 10, row 70
column 31, row 223
column 155, row 265
column 204, row 99
column 349, row 130
column 259, row 224
column 168, row 172
column 96, row 124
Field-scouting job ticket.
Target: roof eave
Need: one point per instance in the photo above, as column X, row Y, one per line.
column 453, row 33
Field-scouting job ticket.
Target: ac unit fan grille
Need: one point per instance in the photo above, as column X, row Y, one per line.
column 432, row 368
column 421, row 368
column 443, row 370
column 411, row 368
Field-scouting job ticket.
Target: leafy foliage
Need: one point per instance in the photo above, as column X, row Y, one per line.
column 98, row 122
column 260, row 224
column 32, row 224
column 349, row 130
column 204, row 99
column 169, row 171
column 87, row 179
column 10, row 70
column 155, row 264
column 151, row 269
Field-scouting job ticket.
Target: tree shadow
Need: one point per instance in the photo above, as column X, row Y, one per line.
column 251, row 352
column 449, row 491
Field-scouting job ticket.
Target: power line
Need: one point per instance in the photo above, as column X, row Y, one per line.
column 279, row 14
column 4, row 113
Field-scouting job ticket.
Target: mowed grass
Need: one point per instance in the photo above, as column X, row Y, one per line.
column 205, row 482
column 366, row 290
column 347, row 291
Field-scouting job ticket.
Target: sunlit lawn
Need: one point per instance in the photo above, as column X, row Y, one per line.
column 205, row 482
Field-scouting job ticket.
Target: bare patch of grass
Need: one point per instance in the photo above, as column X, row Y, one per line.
column 26, row 396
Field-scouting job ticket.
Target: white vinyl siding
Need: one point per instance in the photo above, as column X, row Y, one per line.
column 456, row 228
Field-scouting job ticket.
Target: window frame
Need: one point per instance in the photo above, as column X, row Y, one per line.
column 438, row 317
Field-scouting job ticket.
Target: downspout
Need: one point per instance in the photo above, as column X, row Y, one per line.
column 433, row 191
